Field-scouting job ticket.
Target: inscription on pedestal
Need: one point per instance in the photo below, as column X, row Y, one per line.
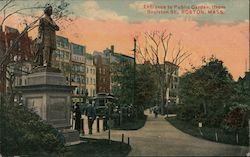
column 57, row 108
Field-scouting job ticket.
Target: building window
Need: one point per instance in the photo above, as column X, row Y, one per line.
column 87, row 80
column 81, row 69
column 87, row 70
column 77, row 90
column 20, row 81
column 11, row 42
column 78, row 79
column 66, row 55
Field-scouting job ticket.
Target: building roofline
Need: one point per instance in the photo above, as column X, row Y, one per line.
column 123, row 55
column 62, row 37
column 77, row 44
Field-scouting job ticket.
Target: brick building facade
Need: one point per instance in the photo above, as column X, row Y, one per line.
column 21, row 50
column 102, row 64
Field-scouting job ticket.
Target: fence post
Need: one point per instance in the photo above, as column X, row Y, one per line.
column 104, row 123
column 122, row 138
column 237, row 138
column 82, row 126
column 216, row 136
column 98, row 124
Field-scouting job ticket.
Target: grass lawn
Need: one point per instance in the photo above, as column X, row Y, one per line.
column 91, row 147
column 97, row 147
column 209, row 133
column 139, row 123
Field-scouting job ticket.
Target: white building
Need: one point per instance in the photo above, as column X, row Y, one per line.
column 90, row 76
column 70, row 59
column 78, row 72
column 19, row 71
column 172, row 93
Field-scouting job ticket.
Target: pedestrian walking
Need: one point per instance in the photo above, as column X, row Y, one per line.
column 91, row 114
column 156, row 111
column 78, row 116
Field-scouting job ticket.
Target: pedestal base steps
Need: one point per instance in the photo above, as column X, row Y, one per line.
column 71, row 137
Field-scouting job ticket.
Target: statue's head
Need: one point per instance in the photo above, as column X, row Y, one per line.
column 48, row 10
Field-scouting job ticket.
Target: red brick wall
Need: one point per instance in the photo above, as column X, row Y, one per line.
column 22, row 50
column 102, row 75
column 23, row 47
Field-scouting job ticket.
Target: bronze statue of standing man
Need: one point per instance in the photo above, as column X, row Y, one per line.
column 46, row 41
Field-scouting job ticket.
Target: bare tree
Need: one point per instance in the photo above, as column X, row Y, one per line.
column 11, row 8
column 155, row 49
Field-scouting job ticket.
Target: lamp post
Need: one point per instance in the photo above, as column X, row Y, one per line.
column 109, row 103
column 134, row 72
column 168, row 102
column 109, row 106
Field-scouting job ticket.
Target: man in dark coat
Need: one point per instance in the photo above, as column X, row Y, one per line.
column 91, row 114
column 78, row 116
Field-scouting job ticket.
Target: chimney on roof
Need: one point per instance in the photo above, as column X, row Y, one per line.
column 112, row 48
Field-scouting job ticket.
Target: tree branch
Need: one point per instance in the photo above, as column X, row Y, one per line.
column 18, row 11
column 7, row 3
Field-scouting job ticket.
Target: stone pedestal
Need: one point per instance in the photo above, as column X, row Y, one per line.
column 47, row 93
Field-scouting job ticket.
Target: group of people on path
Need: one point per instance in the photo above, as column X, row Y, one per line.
column 155, row 110
column 90, row 112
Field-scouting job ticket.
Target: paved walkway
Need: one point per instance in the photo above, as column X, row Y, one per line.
column 159, row 138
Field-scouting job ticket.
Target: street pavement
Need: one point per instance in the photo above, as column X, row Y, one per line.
column 159, row 138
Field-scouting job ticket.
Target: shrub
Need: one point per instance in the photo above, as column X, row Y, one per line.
column 236, row 118
column 23, row 132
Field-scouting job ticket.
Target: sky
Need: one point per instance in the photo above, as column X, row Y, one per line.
column 99, row 24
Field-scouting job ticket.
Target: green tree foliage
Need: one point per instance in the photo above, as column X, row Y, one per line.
column 146, row 87
column 23, row 132
column 205, row 93
column 122, row 79
column 241, row 93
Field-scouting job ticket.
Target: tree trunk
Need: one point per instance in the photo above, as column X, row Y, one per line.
column 163, row 96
